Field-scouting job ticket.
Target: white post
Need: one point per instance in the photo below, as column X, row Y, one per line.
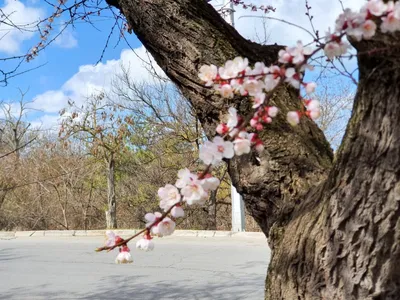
column 228, row 12
column 238, row 218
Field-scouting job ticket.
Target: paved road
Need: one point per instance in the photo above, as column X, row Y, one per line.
column 179, row 268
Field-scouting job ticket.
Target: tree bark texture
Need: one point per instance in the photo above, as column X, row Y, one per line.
column 111, row 213
column 333, row 226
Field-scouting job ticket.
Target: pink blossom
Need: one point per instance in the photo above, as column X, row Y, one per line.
column 208, row 73
column 284, row 56
column 124, row 257
column 253, row 86
column 395, row 9
column 258, row 100
column 145, row 244
column 210, row 183
column 207, row 153
column 110, row 241
column 225, row 90
column 169, row 195
column 310, row 87
column 185, row 177
column 369, row 29
column 390, row 23
column 313, row 109
column 299, row 52
column 254, row 121
column 227, row 71
column 272, row 111
column 292, row 77
column 242, row 144
column 312, row 104
column 224, row 148
column 166, row 227
column 194, row 193
column 259, row 147
column 258, row 70
column 152, row 221
column 334, row 49
column 232, row 118
column 376, row 7
column 294, row 55
column 272, row 79
column 213, row 152
column 314, row 114
column 177, row 212
column 240, row 64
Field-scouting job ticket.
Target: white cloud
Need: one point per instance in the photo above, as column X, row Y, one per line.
column 45, row 122
column 92, row 79
column 66, row 40
column 18, row 14
column 51, row 101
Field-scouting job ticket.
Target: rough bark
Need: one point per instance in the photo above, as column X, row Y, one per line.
column 333, row 227
column 345, row 243
column 111, row 213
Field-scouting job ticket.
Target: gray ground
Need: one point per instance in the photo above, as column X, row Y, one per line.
column 179, row 268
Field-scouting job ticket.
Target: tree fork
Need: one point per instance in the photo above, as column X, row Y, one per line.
column 334, row 231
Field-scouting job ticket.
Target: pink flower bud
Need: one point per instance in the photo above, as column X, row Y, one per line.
column 272, row 111
column 254, row 122
column 293, row 117
column 259, row 147
column 222, row 129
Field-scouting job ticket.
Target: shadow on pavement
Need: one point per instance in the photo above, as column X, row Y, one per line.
column 126, row 288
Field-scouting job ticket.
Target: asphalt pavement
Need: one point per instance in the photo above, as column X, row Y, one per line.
column 179, row 268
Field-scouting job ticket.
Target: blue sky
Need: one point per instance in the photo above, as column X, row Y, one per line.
column 79, row 45
column 69, row 69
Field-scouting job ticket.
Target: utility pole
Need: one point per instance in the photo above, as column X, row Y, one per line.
column 238, row 217
column 228, row 12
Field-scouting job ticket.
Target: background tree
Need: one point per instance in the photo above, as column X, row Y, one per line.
column 15, row 135
column 104, row 130
column 336, row 105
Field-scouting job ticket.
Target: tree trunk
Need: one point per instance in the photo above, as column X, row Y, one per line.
column 111, row 213
column 2, row 197
column 212, row 211
column 333, row 226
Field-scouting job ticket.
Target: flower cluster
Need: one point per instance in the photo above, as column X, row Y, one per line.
column 195, row 189
column 362, row 25
column 123, row 257
column 236, row 77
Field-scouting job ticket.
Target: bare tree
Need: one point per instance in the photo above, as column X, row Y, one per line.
column 336, row 98
column 104, row 131
column 15, row 135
